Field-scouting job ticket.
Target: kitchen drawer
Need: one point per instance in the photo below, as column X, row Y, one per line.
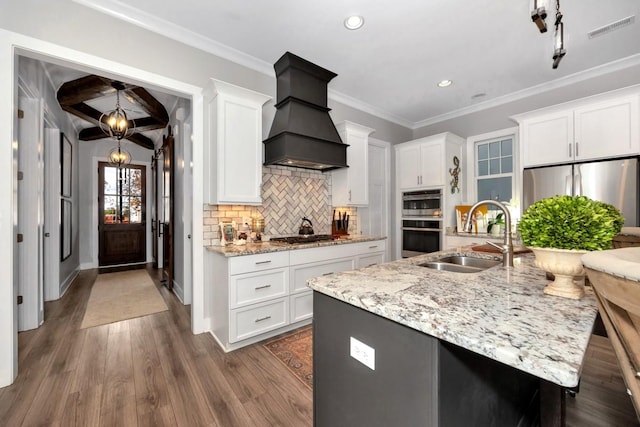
column 301, row 306
column 371, row 247
column 301, row 273
column 250, row 288
column 369, row 260
column 259, row 262
column 257, row 319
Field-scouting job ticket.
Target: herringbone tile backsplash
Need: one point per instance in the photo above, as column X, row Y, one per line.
column 288, row 194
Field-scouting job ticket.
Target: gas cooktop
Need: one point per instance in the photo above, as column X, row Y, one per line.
column 303, row 239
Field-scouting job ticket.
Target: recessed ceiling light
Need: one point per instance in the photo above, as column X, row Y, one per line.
column 444, row 83
column 354, row 22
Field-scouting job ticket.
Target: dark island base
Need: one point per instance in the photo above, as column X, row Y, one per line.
column 418, row 380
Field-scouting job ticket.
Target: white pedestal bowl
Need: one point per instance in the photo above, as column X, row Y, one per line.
column 566, row 266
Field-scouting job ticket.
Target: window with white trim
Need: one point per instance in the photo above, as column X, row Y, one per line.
column 494, row 169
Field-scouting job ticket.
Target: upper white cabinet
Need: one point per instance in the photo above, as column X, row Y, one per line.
column 350, row 186
column 233, row 144
column 423, row 163
column 598, row 127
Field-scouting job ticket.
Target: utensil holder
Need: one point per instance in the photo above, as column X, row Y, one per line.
column 337, row 230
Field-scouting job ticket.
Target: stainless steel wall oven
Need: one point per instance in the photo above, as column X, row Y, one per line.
column 420, row 237
column 422, row 203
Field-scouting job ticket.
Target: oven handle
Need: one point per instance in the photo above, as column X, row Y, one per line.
column 420, row 229
column 431, row 197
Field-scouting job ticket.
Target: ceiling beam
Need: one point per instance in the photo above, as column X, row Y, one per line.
column 95, row 133
column 73, row 94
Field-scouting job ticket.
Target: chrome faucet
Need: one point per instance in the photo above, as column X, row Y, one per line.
column 507, row 248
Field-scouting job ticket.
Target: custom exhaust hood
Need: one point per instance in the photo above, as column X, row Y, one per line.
column 303, row 134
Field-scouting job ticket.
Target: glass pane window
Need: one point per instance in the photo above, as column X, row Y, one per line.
column 123, row 192
column 494, row 169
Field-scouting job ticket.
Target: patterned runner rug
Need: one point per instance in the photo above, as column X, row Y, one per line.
column 295, row 350
column 120, row 296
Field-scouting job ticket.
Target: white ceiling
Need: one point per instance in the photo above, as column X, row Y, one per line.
column 391, row 65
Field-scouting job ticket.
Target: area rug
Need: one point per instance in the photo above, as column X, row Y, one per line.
column 120, row 296
column 295, row 350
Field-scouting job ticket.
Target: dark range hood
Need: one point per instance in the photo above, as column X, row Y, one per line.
column 303, row 134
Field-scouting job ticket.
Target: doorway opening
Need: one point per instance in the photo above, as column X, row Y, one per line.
column 121, row 214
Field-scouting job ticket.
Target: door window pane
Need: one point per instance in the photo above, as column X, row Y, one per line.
column 123, row 193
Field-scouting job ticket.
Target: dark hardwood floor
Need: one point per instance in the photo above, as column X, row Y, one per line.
column 151, row 371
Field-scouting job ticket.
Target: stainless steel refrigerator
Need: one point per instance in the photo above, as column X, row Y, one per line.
column 611, row 181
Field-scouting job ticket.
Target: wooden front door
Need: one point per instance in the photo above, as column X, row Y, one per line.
column 121, row 214
column 167, row 207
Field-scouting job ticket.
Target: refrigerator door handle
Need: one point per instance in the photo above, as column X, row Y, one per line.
column 577, row 184
column 568, row 184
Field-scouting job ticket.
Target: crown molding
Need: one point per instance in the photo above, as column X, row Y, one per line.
column 600, row 70
column 124, row 12
column 368, row 108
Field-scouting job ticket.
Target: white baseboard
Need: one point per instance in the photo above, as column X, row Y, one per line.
column 64, row 286
column 87, row 266
column 178, row 291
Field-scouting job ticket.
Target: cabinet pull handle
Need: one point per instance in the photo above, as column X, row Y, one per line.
column 569, row 150
column 262, row 287
column 577, row 149
column 373, row 247
column 263, row 262
column 326, row 274
column 262, row 319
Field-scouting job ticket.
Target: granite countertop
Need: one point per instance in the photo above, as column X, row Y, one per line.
column 265, row 247
column 500, row 313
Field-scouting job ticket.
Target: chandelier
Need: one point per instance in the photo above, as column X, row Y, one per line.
column 538, row 16
column 115, row 122
column 119, row 157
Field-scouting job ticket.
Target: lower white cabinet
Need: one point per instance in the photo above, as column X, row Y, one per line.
column 368, row 260
column 256, row 319
column 301, row 306
column 254, row 297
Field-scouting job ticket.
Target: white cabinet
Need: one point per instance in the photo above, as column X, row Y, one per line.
column 423, row 163
column 233, row 144
column 599, row 127
column 253, row 297
column 350, row 186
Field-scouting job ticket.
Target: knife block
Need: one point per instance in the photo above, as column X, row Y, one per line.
column 336, row 230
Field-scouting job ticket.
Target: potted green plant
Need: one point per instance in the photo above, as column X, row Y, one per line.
column 560, row 229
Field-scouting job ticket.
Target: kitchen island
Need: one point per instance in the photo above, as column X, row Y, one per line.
column 486, row 347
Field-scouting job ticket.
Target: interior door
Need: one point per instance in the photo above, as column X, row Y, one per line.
column 122, row 214
column 167, row 207
column 155, row 230
column 30, row 214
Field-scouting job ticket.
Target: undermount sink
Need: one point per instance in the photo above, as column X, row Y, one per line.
column 460, row 264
